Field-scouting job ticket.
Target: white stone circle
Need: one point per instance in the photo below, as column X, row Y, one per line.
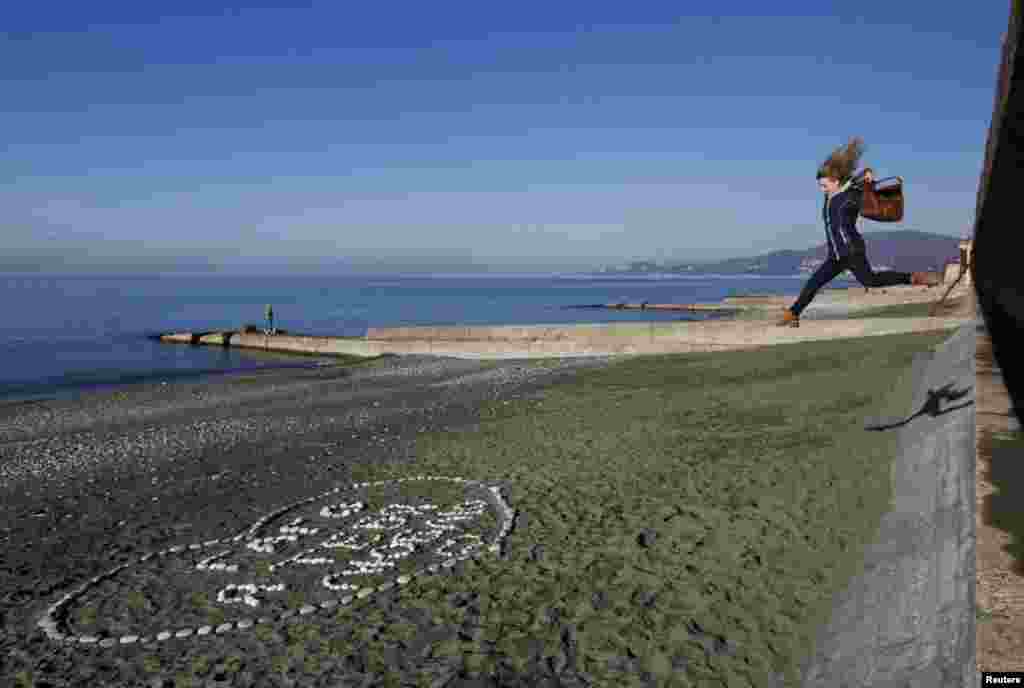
column 382, row 540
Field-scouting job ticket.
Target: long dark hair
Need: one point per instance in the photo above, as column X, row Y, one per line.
column 843, row 161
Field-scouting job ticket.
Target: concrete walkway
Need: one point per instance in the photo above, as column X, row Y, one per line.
column 546, row 341
column 823, row 319
column 908, row 621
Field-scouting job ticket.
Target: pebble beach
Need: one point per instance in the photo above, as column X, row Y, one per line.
column 100, row 480
column 96, row 482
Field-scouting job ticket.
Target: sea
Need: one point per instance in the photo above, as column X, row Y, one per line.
column 63, row 334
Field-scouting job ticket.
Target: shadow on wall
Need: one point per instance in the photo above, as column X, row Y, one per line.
column 932, row 407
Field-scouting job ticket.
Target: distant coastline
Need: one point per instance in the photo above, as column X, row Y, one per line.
column 905, row 250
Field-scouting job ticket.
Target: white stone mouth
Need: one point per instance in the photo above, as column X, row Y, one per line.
column 386, row 535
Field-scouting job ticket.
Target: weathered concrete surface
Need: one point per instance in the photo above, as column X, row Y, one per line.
column 635, row 338
column 307, row 344
column 696, row 307
column 909, row 619
column 576, row 340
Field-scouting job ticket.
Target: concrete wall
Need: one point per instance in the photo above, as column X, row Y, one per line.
column 628, row 338
column 996, row 266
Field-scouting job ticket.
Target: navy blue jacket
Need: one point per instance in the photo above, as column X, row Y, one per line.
column 840, row 215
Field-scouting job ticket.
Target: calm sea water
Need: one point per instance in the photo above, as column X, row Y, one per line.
column 62, row 334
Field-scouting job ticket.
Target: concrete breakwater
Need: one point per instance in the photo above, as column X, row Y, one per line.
column 645, row 306
column 299, row 344
column 539, row 341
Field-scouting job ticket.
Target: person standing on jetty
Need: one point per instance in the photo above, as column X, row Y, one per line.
column 846, row 250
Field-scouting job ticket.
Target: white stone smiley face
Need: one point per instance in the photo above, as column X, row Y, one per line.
column 303, row 555
column 369, row 543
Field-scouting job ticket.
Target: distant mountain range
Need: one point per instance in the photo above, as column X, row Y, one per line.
column 56, row 264
column 906, row 250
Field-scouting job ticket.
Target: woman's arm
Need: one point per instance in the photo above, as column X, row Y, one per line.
column 851, row 208
column 848, row 215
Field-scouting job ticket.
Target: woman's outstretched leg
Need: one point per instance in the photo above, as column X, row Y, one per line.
column 825, row 273
column 862, row 270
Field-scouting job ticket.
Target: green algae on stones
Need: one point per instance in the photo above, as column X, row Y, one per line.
column 717, row 505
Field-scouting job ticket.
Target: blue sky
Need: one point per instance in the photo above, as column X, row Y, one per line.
column 526, row 136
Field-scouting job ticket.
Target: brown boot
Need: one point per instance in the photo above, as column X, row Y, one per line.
column 789, row 319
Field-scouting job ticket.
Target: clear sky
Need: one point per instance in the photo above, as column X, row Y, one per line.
column 520, row 135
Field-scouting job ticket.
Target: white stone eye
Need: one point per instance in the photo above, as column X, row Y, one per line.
column 248, row 593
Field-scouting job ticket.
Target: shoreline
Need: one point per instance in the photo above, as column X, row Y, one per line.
column 284, row 391
column 826, row 307
column 833, row 303
column 68, row 391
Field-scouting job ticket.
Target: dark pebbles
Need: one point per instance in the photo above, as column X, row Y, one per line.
column 122, row 473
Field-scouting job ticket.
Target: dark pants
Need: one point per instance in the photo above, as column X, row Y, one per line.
column 857, row 263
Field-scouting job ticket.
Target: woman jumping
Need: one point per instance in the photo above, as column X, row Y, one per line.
column 846, row 250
